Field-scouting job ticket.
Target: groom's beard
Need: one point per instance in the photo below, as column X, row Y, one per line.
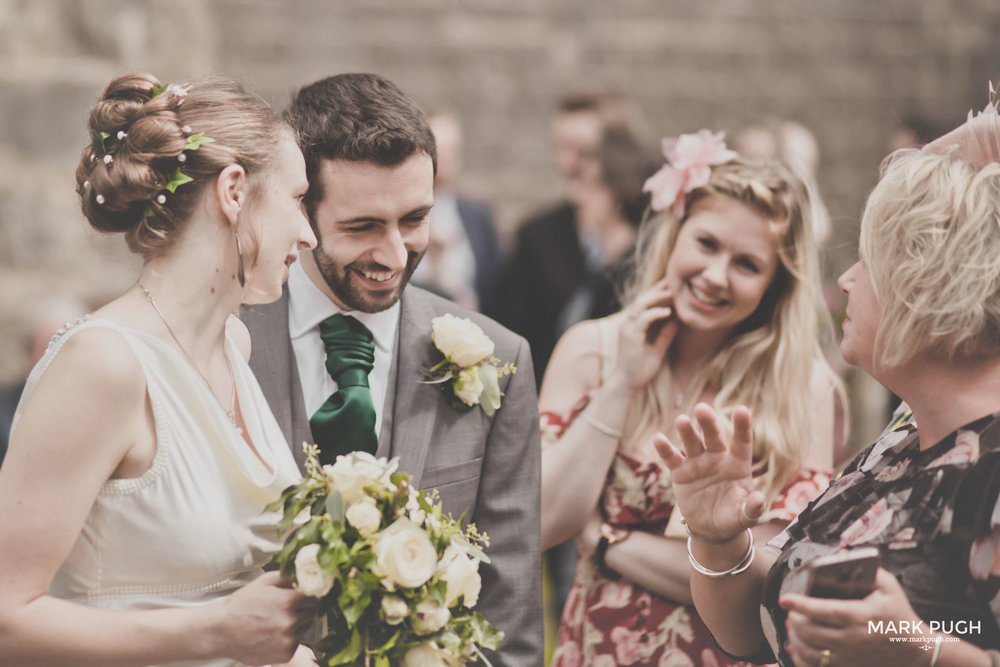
column 346, row 285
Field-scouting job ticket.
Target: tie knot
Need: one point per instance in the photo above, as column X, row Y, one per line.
column 349, row 347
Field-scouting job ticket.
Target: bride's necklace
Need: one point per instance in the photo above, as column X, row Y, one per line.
column 231, row 412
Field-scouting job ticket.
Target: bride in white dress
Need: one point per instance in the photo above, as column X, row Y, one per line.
column 143, row 452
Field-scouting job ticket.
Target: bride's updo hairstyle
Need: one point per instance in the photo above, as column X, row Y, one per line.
column 153, row 149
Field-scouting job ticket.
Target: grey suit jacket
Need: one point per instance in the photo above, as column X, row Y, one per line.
column 486, row 467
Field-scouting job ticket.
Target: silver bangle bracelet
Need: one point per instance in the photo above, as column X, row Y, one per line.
column 705, row 540
column 603, row 428
column 739, row 568
column 936, row 652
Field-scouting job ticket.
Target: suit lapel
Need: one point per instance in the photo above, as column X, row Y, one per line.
column 408, row 420
column 273, row 363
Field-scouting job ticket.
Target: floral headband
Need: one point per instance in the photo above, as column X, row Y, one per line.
column 690, row 158
column 977, row 140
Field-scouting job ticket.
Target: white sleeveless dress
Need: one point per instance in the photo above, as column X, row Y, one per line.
column 191, row 529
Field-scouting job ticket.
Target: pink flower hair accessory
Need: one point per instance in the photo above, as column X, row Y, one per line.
column 690, row 158
column 977, row 140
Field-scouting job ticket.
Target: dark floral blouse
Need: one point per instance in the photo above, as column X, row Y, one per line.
column 934, row 517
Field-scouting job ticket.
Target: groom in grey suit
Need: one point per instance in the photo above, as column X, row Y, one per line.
column 370, row 157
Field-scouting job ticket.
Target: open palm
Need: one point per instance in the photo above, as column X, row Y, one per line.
column 712, row 474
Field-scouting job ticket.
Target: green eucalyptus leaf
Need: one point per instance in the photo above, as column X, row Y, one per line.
column 335, row 506
column 177, row 179
column 349, row 655
column 194, row 141
column 489, row 400
column 99, row 138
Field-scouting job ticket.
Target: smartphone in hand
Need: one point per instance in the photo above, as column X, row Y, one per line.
column 847, row 575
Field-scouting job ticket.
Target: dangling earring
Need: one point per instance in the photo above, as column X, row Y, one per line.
column 240, row 273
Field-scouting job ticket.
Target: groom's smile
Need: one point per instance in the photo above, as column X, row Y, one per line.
column 372, row 226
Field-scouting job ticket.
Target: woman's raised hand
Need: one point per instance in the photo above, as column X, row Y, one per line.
column 645, row 334
column 712, row 474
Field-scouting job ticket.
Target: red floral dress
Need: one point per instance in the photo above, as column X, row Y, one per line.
column 608, row 620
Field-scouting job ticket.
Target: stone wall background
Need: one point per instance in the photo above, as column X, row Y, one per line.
column 848, row 69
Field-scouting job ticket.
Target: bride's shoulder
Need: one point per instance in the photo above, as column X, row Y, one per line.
column 97, row 356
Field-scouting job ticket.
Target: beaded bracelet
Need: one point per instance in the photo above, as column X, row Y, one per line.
column 739, row 568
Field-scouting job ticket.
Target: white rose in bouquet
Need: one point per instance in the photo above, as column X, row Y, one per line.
column 350, row 474
column 460, row 340
column 461, row 573
column 428, row 654
column 404, row 553
column 394, row 609
column 429, row 616
column 309, row 576
column 364, row 516
column 469, row 386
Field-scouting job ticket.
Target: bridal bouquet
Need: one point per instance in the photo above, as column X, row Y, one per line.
column 396, row 578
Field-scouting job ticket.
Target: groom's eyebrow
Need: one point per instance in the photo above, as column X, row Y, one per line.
column 419, row 212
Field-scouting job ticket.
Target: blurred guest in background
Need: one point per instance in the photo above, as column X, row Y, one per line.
column 795, row 145
column 549, row 261
column 923, row 318
column 723, row 309
column 462, row 262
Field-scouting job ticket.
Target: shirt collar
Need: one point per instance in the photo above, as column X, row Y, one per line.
column 308, row 306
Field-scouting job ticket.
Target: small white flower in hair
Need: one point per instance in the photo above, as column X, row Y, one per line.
column 182, row 158
column 99, row 199
column 108, row 158
column 176, row 93
column 161, row 199
column 86, row 184
column 121, row 135
column 186, row 129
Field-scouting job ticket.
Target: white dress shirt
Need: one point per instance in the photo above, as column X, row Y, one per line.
column 307, row 307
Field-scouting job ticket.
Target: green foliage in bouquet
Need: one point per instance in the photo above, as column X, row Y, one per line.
column 395, row 577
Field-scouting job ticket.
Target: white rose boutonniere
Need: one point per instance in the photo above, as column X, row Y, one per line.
column 469, row 373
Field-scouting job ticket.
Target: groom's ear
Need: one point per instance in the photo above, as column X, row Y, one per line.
column 230, row 192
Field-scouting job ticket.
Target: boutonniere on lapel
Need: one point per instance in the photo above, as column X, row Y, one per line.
column 469, row 374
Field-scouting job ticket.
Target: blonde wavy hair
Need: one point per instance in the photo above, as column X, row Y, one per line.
column 769, row 363
column 930, row 237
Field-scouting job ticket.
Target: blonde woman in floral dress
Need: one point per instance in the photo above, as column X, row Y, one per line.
column 722, row 310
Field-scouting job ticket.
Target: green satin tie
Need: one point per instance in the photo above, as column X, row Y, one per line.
column 346, row 420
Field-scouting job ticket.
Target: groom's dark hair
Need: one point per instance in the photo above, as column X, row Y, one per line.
column 359, row 118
